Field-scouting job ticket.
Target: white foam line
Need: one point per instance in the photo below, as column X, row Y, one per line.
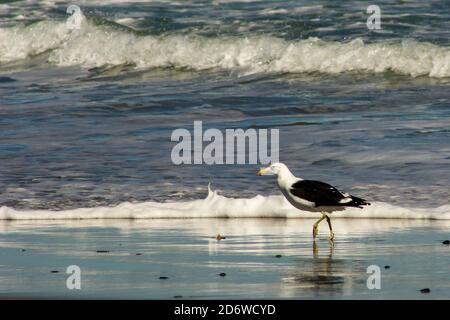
column 217, row 206
column 94, row 46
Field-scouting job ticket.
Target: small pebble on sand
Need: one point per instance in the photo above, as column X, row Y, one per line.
column 222, row 274
column 102, row 251
column 425, row 290
column 387, row 267
column 54, row 271
column 163, row 278
column 447, row 242
column 278, row 256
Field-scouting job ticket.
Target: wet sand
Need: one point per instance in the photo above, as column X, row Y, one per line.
column 259, row 258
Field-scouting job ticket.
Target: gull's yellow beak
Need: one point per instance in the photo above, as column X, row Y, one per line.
column 262, row 172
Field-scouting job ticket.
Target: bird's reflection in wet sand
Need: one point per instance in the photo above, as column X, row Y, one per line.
column 323, row 273
column 316, row 249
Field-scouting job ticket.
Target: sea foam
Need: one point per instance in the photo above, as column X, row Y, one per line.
column 95, row 45
column 218, row 206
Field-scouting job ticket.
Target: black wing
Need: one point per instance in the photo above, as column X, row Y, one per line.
column 323, row 194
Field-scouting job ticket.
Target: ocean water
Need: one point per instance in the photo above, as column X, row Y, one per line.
column 86, row 114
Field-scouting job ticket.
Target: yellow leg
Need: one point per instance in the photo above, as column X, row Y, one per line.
column 331, row 228
column 315, row 226
column 315, row 249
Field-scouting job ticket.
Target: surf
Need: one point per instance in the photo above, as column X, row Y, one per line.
column 100, row 44
column 219, row 206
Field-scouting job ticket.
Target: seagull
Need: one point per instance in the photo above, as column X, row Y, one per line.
column 311, row 195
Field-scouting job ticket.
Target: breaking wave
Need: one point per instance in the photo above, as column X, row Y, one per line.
column 103, row 44
column 217, row 206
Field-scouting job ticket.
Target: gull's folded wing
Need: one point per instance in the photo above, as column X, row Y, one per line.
column 323, row 194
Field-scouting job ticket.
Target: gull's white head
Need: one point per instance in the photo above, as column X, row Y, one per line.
column 274, row 169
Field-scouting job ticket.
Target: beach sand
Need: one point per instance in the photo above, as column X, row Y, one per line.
column 126, row 258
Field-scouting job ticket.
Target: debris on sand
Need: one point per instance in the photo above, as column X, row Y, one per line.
column 425, row 290
column 219, row 237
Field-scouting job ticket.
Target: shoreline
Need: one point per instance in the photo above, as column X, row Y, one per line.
column 261, row 258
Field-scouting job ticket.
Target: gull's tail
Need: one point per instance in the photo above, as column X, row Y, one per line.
column 357, row 202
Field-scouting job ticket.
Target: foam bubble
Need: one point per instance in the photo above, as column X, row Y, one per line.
column 21, row 42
